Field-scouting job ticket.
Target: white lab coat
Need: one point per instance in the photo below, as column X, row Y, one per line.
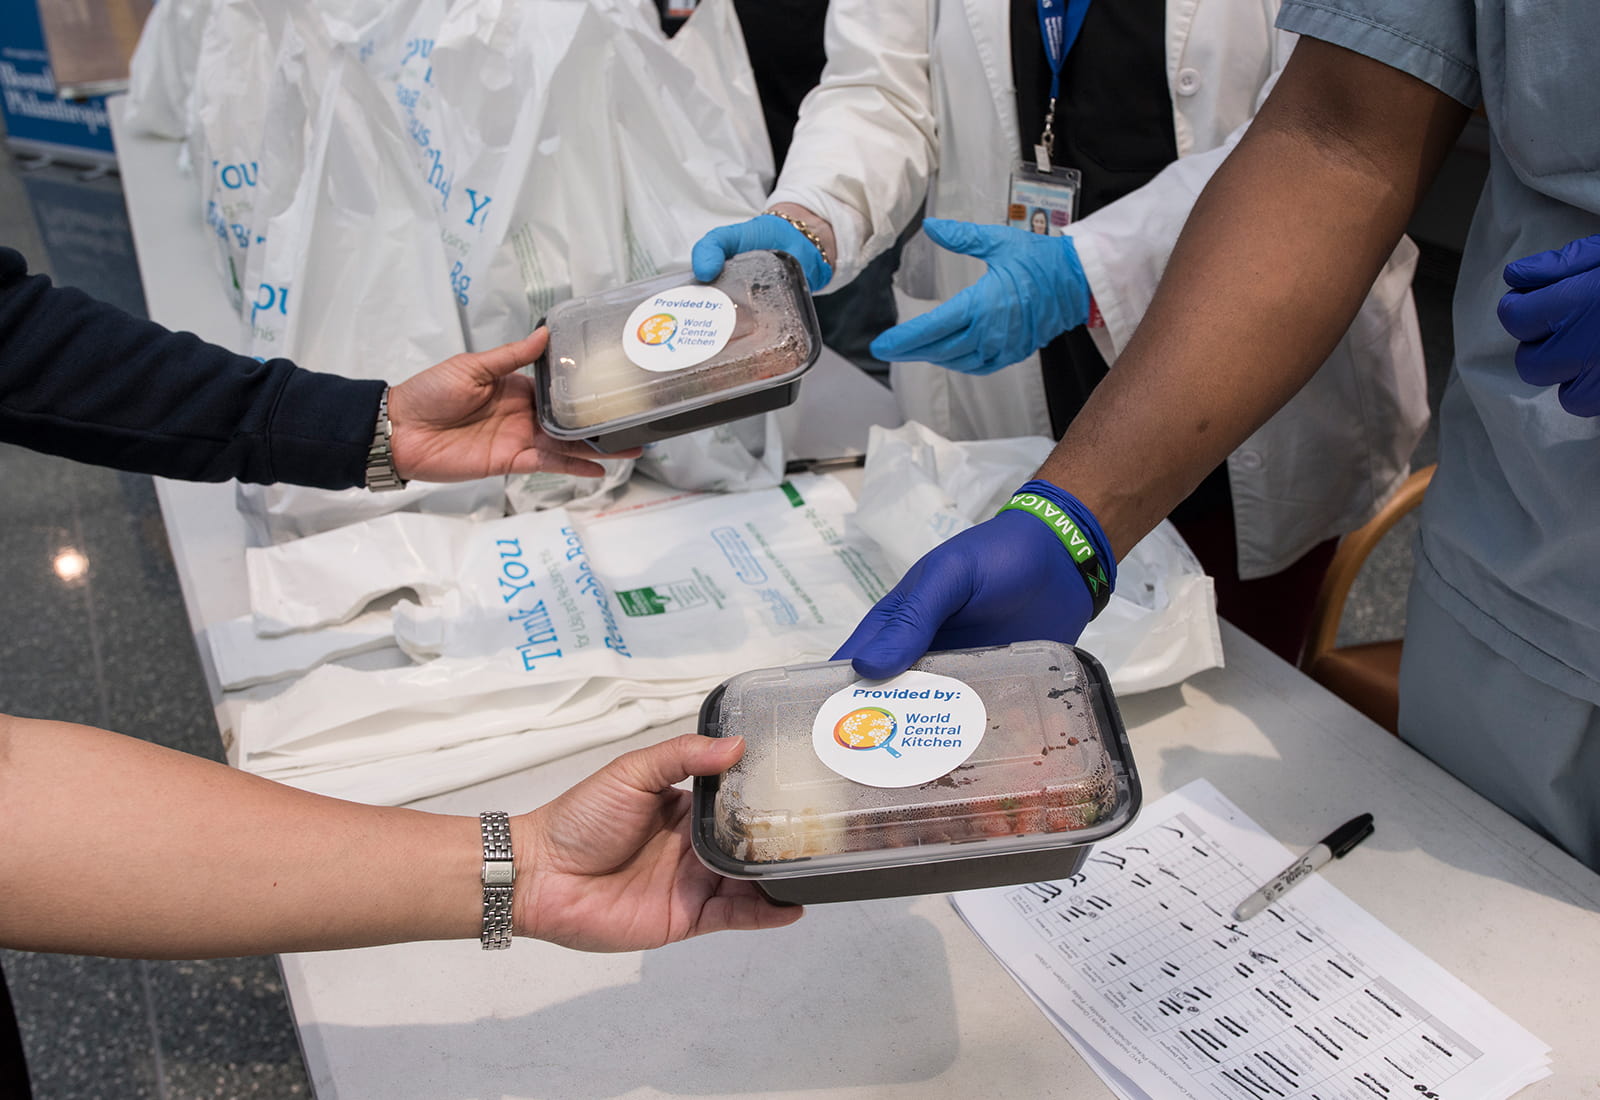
column 917, row 101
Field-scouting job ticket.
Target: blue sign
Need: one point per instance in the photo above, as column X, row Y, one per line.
column 38, row 121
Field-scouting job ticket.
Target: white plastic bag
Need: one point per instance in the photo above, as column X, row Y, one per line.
column 919, row 488
column 531, row 492
column 238, row 52
column 1160, row 626
column 244, row 658
column 161, row 72
column 507, row 113
column 691, row 139
column 375, row 30
column 341, row 279
column 550, row 621
column 733, row 457
column 569, row 147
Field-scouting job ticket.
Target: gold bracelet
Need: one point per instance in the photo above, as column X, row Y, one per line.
column 805, row 231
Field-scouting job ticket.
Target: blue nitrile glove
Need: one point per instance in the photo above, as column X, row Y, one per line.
column 1012, row 578
column 1554, row 309
column 1034, row 291
column 765, row 231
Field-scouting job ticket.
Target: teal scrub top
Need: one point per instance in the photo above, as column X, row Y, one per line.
column 1510, row 531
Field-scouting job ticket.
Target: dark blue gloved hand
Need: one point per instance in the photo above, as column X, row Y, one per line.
column 1554, row 309
column 1011, row 578
column 1034, row 291
column 765, row 231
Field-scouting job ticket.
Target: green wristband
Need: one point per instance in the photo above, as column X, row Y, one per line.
column 1076, row 542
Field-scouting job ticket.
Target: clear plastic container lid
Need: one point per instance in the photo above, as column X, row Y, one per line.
column 822, row 785
column 669, row 344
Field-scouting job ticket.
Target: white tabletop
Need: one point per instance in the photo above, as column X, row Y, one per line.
column 895, row 997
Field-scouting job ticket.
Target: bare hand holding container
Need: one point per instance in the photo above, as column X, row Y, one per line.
column 669, row 355
column 979, row 767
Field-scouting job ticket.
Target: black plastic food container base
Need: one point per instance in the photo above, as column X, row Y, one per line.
column 693, row 420
column 938, row 876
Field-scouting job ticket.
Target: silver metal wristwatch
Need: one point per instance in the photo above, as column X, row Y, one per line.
column 499, row 879
column 381, row 474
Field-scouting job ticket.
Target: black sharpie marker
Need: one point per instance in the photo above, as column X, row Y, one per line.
column 1334, row 846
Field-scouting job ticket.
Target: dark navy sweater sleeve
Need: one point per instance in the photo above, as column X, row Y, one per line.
column 86, row 381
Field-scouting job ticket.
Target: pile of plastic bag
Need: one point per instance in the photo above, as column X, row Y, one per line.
column 538, row 635
column 541, row 634
column 390, row 182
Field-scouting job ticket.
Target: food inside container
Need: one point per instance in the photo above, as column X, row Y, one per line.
column 668, row 355
column 843, row 789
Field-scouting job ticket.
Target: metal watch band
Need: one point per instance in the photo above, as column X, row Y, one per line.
column 499, row 879
column 381, row 474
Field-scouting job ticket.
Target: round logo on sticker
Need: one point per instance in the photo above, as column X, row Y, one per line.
column 658, row 328
column 900, row 732
column 866, row 728
column 678, row 328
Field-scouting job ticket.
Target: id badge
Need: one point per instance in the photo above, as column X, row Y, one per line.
column 1043, row 202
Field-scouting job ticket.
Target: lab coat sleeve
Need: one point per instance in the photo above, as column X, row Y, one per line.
column 1124, row 246
column 866, row 144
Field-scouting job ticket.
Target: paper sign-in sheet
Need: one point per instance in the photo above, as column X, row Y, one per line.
column 1140, row 963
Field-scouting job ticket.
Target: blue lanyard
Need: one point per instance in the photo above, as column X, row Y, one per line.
column 1060, row 21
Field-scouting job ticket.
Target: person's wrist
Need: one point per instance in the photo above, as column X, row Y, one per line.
column 812, row 225
column 527, row 836
column 1075, row 531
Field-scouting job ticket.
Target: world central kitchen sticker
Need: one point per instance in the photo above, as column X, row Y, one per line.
column 900, row 732
column 678, row 328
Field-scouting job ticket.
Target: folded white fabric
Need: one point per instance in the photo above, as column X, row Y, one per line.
column 919, row 488
column 548, row 621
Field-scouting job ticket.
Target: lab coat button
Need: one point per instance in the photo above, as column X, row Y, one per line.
column 1188, row 81
column 1250, row 460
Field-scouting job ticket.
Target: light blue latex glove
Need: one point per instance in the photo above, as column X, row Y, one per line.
column 766, row 231
column 1034, row 291
column 1008, row 579
column 1553, row 308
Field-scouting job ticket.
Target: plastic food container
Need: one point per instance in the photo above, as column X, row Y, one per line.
column 670, row 355
column 843, row 791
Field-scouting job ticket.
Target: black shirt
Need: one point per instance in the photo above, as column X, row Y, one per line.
column 84, row 380
column 784, row 41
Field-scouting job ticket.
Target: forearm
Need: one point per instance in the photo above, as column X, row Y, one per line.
column 1271, row 267
column 84, row 380
column 113, row 846
column 865, row 144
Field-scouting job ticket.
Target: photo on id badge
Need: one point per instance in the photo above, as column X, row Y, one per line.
column 1042, row 203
